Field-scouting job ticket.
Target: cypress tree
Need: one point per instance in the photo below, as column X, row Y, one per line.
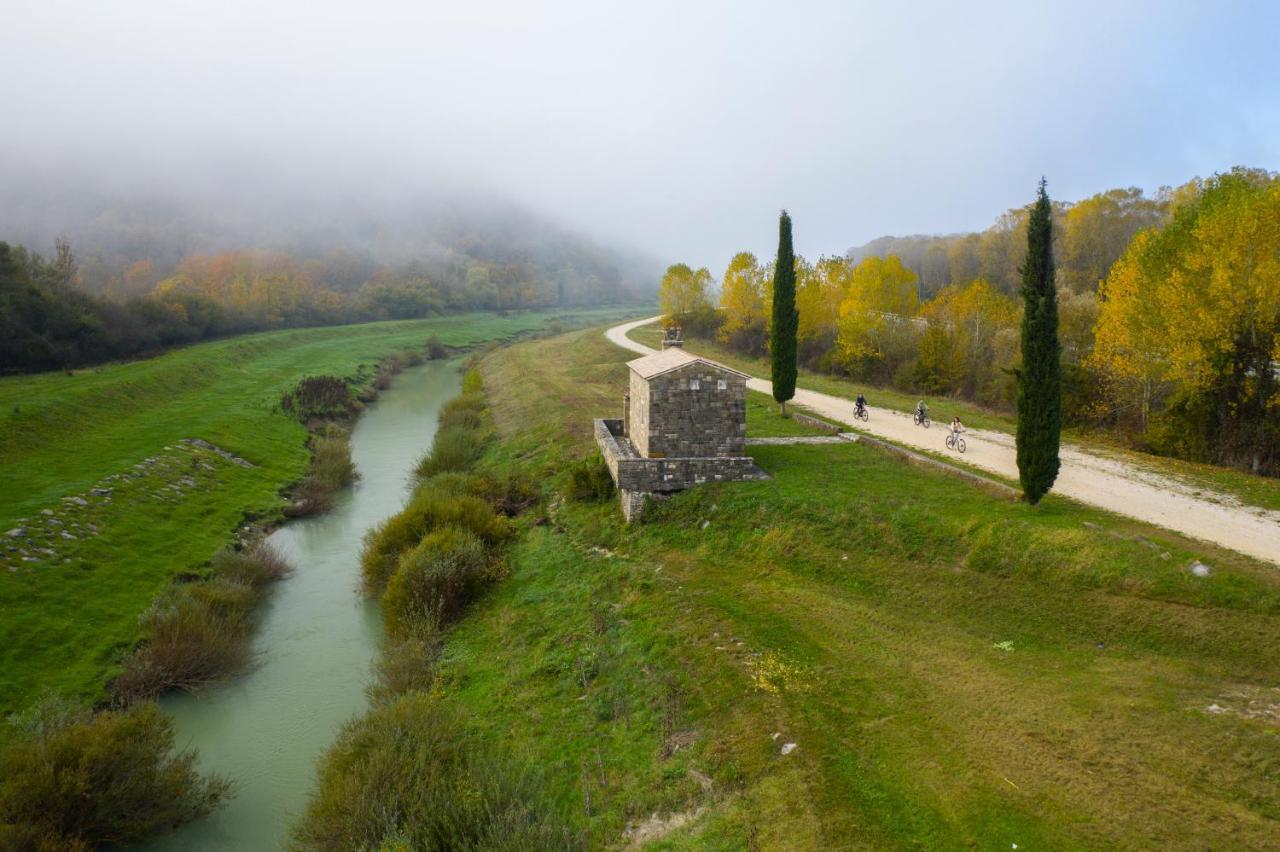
column 786, row 319
column 1040, row 377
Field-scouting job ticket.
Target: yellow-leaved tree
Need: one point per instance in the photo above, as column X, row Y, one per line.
column 745, row 299
column 1189, row 323
column 683, row 292
column 877, row 325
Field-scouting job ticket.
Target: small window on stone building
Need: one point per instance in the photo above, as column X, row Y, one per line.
column 721, row 384
column 694, row 384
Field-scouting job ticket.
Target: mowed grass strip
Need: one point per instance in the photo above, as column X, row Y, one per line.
column 955, row 670
column 65, row 625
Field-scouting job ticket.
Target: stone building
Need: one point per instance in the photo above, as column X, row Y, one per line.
column 684, row 422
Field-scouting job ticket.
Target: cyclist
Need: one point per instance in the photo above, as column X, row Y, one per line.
column 922, row 411
column 860, row 404
column 956, row 426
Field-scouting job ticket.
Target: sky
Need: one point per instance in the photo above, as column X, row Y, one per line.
column 675, row 128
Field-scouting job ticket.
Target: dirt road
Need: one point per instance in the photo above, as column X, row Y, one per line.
column 1103, row 482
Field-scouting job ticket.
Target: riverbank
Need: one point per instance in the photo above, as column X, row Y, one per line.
column 315, row 637
column 856, row 652
column 69, row 605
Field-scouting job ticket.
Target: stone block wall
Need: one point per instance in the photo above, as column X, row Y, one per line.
column 692, row 411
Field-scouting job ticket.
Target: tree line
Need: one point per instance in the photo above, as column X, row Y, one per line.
column 1168, row 314
column 50, row 318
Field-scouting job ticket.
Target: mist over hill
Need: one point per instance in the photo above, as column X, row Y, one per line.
column 444, row 231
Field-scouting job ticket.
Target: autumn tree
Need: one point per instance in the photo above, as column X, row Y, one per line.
column 1189, row 321
column 785, row 317
column 877, row 330
column 744, row 294
column 1040, row 376
column 1096, row 232
column 969, row 343
column 683, row 291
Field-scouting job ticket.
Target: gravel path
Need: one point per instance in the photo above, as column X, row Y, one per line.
column 1103, row 482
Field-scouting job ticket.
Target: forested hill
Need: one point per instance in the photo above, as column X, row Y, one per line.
column 444, row 234
column 1089, row 236
column 88, row 275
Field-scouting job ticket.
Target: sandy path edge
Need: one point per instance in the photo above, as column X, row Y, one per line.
column 1098, row 481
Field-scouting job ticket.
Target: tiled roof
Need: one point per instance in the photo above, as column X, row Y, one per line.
column 672, row 359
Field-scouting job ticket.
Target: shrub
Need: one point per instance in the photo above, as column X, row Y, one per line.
column 195, row 634
column 467, row 401
column 461, row 418
column 425, row 512
column 255, row 567
column 331, row 458
column 510, row 496
column 326, row 397
column 73, row 780
column 412, row 358
column 434, row 581
column 472, row 383
column 332, row 469
column 589, row 480
column 454, row 449
column 436, row 350
column 405, row 776
column 406, row 665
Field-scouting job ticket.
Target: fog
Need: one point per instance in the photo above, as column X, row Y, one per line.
column 670, row 128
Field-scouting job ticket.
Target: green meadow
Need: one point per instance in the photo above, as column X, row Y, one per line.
column 66, row 620
column 859, row 653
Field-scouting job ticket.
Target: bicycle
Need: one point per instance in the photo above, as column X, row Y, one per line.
column 955, row 441
column 861, row 414
column 922, row 420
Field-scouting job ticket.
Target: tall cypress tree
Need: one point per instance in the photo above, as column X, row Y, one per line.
column 1040, row 377
column 786, row 319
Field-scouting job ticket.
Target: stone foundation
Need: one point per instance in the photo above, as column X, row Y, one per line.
column 638, row 477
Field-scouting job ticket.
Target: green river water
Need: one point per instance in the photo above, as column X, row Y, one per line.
column 316, row 637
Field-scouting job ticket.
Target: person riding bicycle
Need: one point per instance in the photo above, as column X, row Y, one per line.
column 860, row 404
column 922, row 411
column 956, row 426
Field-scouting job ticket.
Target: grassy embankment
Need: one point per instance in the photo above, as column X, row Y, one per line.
column 954, row 670
column 66, row 620
column 1260, row 491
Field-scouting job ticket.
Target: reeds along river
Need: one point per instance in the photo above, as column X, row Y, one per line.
column 316, row 637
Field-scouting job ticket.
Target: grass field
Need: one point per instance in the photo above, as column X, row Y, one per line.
column 954, row 670
column 1260, row 491
column 65, row 620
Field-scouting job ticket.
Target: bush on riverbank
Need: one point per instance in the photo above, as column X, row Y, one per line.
column 332, row 469
column 406, row 665
column 462, row 432
column 256, row 566
column 435, row 580
column 320, row 397
column 405, row 776
column 427, row 511
column 71, row 779
column 197, row 633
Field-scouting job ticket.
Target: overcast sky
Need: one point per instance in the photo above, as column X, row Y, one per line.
column 678, row 128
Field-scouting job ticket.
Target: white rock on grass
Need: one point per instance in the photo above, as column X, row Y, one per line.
column 1200, row 569
column 787, row 748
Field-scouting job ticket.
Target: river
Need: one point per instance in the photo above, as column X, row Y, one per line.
column 315, row 637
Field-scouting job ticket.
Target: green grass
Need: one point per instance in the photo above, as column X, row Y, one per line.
column 1260, row 491
column 65, row 622
column 956, row 670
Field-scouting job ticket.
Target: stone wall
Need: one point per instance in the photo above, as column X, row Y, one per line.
column 638, row 414
column 631, row 472
column 692, row 411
